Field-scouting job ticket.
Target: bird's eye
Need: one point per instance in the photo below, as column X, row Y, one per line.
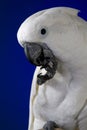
column 43, row 31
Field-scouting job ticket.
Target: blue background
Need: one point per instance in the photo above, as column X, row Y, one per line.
column 15, row 71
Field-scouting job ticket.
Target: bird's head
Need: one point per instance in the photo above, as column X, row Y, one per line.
column 52, row 34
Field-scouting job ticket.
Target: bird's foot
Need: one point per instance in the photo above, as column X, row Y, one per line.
column 50, row 125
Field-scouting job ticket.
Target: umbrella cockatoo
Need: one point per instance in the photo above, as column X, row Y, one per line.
column 55, row 40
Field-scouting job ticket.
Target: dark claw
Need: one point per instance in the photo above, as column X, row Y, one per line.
column 50, row 125
column 41, row 79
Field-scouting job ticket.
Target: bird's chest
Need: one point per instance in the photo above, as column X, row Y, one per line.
column 49, row 96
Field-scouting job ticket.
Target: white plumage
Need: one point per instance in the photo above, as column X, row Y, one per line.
column 63, row 98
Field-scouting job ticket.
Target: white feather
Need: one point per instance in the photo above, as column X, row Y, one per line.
column 63, row 98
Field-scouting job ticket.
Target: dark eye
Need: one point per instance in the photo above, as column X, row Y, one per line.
column 43, row 31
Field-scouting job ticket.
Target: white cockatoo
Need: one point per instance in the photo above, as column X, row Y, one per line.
column 55, row 40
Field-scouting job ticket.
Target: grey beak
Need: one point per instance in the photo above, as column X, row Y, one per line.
column 41, row 55
column 34, row 53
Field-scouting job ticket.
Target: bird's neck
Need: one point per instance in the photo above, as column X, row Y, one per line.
column 77, row 72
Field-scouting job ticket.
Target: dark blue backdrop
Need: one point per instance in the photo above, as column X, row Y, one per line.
column 15, row 71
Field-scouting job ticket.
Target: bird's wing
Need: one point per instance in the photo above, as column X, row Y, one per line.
column 34, row 91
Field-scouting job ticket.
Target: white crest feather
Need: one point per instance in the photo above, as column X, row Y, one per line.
column 67, row 10
column 70, row 10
